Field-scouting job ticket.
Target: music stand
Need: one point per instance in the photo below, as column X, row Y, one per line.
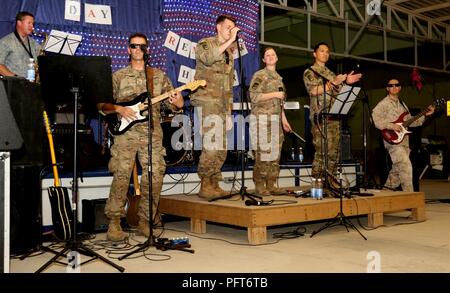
column 62, row 43
column 340, row 107
column 63, row 78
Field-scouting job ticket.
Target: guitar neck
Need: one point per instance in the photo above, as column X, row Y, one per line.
column 414, row 118
column 52, row 150
column 167, row 94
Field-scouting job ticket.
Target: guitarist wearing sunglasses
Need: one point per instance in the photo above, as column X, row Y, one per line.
column 390, row 115
column 128, row 83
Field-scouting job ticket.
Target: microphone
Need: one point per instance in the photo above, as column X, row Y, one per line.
column 253, row 202
column 237, row 35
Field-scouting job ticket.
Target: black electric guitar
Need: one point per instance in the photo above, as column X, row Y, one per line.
column 119, row 125
column 62, row 214
column 396, row 137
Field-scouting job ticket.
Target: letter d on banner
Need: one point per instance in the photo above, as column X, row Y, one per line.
column 72, row 10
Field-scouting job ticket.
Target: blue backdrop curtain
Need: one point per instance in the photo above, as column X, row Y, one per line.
column 189, row 19
column 129, row 15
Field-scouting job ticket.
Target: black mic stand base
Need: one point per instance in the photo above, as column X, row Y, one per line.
column 242, row 192
column 339, row 220
column 81, row 249
column 153, row 242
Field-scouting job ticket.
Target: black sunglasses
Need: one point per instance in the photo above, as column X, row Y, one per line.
column 394, row 84
column 140, row 46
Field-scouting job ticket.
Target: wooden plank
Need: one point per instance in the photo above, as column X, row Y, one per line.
column 418, row 214
column 198, row 226
column 374, row 220
column 257, row 218
column 257, row 235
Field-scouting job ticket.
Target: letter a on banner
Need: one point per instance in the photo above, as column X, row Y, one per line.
column 100, row 14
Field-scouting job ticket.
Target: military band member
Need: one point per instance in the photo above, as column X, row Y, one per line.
column 214, row 63
column 385, row 112
column 267, row 94
column 128, row 83
column 314, row 78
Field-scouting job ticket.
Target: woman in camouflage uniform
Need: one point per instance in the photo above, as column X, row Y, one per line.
column 267, row 93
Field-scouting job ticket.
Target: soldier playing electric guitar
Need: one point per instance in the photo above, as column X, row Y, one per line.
column 386, row 116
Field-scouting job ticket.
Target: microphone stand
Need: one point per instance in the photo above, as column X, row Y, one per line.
column 340, row 218
column 365, row 101
column 243, row 190
column 324, row 133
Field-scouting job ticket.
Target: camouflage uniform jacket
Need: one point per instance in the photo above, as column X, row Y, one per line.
column 312, row 80
column 213, row 67
column 266, row 81
column 128, row 83
column 387, row 111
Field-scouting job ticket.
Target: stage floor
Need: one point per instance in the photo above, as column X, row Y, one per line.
column 288, row 210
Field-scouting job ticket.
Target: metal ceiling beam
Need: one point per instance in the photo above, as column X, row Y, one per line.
column 396, row 1
column 428, row 30
column 432, row 7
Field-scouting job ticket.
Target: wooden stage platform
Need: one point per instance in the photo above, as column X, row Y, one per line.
column 257, row 218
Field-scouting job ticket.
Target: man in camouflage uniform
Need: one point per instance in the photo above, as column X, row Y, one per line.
column 128, row 83
column 313, row 78
column 267, row 93
column 385, row 112
column 215, row 64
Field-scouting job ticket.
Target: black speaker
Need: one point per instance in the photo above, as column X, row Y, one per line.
column 27, row 106
column 94, row 218
column 90, row 155
column 10, row 137
column 25, row 208
column 346, row 146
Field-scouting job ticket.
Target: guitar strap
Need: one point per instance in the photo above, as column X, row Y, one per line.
column 150, row 73
column 403, row 104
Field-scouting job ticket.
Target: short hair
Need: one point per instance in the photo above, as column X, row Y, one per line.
column 316, row 47
column 22, row 14
column 138, row 35
column 391, row 78
column 267, row 49
column 224, row 17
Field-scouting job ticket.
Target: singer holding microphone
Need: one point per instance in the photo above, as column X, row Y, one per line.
column 314, row 78
column 215, row 64
column 267, row 94
column 128, row 83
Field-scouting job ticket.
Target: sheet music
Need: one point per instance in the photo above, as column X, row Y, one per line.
column 344, row 100
column 62, row 43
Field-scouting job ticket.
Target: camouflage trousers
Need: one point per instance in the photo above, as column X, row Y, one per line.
column 401, row 171
column 212, row 159
column 123, row 153
column 267, row 161
column 333, row 143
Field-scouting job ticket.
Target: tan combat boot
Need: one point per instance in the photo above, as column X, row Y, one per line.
column 143, row 228
column 260, row 188
column 218, row 191
column 271, row 187
column 210, row 189
column 115, row 232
